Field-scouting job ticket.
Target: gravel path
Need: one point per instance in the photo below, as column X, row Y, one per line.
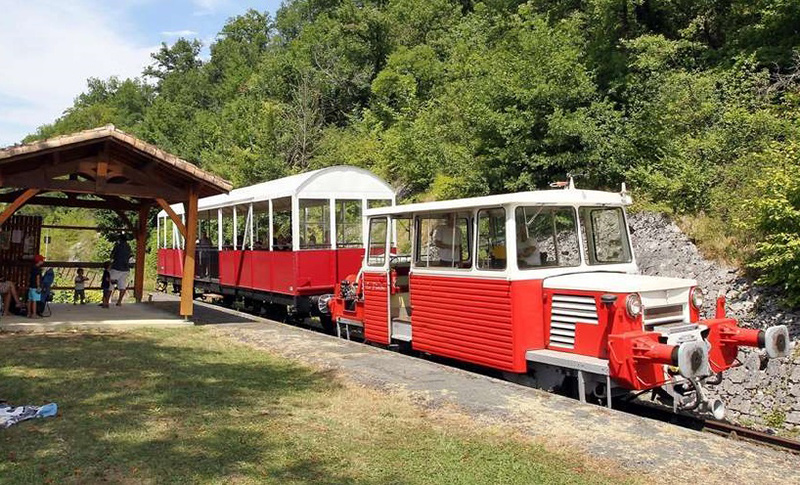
column 665, row 452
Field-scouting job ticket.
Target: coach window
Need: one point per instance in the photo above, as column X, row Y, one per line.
column 444, row 241
column 546, row 237
column 315, row 224
column 282, row 224
column 377, row 242
column 491, row 239
column 348, row 224
column 261, row 225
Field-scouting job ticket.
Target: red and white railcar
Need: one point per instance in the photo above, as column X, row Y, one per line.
column 544, row 286
column 280, row 243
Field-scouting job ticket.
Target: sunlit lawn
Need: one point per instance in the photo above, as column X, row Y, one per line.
column 182, row 406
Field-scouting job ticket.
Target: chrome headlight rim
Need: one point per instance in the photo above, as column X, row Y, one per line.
column 633, row 305
column 696, row 298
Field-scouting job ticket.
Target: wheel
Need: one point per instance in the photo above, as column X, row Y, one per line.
column 228, row 300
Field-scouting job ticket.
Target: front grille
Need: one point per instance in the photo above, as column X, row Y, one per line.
column 663, row 315
column 566, row 311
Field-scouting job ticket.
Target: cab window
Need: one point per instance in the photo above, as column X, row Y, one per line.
column 444, row 241
column 376, row 255
column 546, row 237
column 605, row 235
column 491, row 239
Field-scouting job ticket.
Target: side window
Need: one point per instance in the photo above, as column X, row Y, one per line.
column 546, row 236
column 492, row 239
column 348, row 223
column 605, row 235
column 444, row 241
column 377, row 242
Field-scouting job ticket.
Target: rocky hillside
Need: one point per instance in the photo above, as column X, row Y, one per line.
column 759, row 392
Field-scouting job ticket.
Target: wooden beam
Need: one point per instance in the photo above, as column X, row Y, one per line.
column 14, row 206
column 141, row 246
column 83, row 228
column 187, row 279
column 119, row 204
column 151, row 191
column 172, row 215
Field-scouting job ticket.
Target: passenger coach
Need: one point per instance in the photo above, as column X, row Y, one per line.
column 279, row 244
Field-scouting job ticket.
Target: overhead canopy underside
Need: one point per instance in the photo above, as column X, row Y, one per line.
column 103, row 168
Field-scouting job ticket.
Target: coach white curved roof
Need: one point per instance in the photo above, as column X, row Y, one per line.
column 340, row 182
column 538, row 197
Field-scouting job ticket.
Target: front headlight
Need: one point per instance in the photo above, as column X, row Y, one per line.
column 633, row 303
column 696, row 297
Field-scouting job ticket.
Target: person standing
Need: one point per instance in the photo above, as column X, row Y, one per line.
column 80, row 288
column 35, row 285
column 105, row 285
column 120, row 266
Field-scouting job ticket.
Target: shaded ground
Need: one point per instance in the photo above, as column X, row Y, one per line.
column 63, row 316
column 184, row 405
column 642, row 446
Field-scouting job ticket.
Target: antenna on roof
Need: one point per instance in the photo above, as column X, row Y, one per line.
column 566, row 184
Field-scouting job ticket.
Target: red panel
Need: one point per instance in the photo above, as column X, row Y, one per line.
column 316, row 271
column 170, row 262
column 527, row 303
column 280, row 273
column 288, row 272
column 468, row 319
column 376, row 308
column 348, row 261
column 590, row 339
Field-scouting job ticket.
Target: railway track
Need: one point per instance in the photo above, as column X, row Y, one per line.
column 721, row 428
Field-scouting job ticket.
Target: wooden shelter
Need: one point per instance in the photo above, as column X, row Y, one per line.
column 105, row 168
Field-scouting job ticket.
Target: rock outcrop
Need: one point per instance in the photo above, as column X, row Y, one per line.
column 758, row 393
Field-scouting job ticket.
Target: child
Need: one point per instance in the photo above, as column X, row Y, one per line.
column 105, row 285
column 35, row 285
column 80, row 288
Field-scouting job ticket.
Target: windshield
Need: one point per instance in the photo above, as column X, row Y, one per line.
column 604, row 235
column 546, row 237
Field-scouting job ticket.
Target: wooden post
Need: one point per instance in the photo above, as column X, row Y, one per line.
column 187, row 279
column 141, row 246
column 14, row 206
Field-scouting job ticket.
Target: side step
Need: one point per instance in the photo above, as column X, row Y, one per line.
column 582, row 364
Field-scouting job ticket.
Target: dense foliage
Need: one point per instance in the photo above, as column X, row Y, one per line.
column 693, row 102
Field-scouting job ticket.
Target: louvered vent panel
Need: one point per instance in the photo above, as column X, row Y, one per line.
column 566, row 311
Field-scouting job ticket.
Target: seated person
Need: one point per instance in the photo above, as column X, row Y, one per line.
column 446, row 237
column 8, row 290
column 528, row 254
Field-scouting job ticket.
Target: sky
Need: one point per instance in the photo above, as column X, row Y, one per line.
column 48, row 48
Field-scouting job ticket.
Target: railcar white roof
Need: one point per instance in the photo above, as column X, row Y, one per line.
column 339, row 182
column 538, row 197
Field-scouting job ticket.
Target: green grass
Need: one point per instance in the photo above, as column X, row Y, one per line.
column 183, row 406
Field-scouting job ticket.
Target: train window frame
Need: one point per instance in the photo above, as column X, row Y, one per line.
column 590, row 238
column 310, row 224
column 478, row 236
column 368, row 257
column 468, row 218
column 576, row 232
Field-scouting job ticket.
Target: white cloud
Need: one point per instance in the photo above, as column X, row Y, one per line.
column 179, row 33
column 48, row 48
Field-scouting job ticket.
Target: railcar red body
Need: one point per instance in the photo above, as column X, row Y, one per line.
column 584, row 319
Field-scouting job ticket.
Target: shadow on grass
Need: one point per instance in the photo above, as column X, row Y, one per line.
column 132, row 406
